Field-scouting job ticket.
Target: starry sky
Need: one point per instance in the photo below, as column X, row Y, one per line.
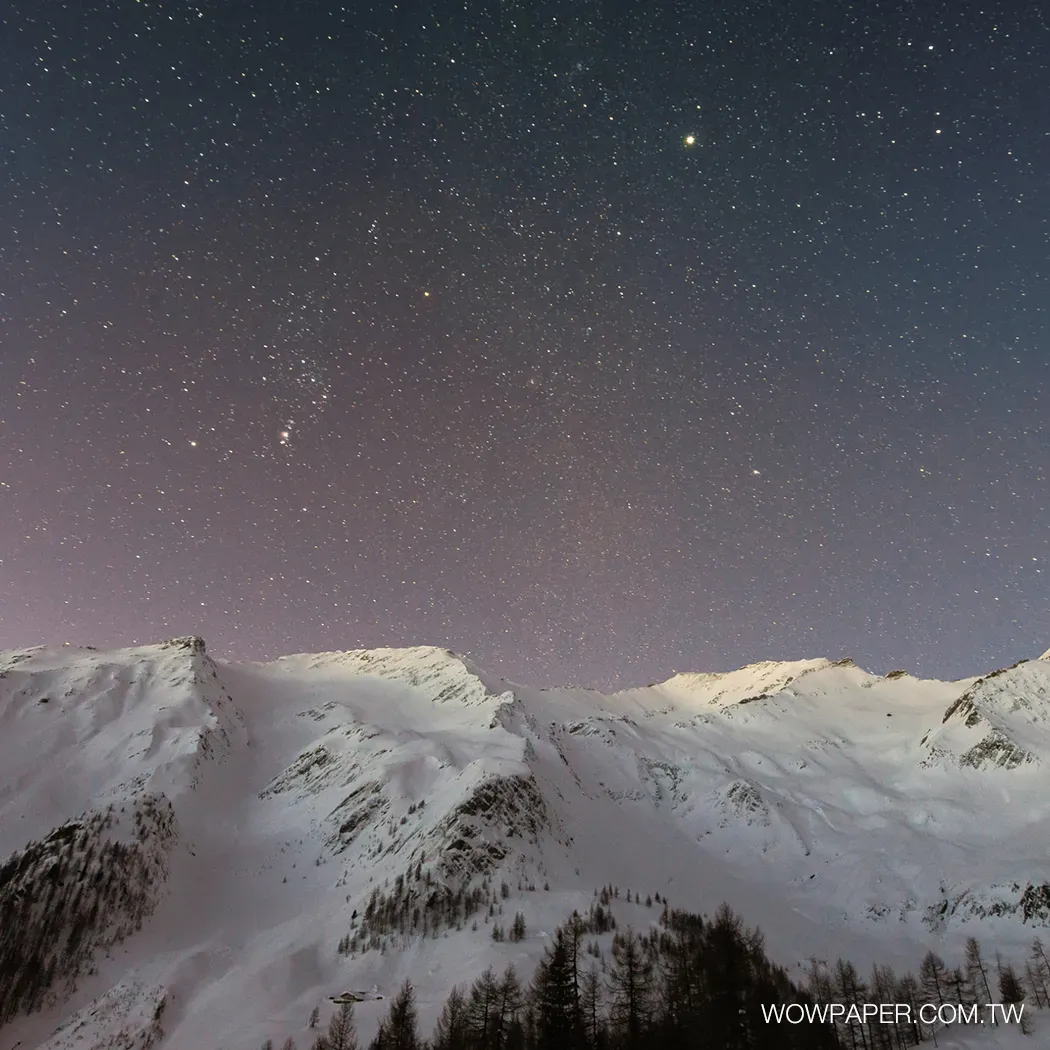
column 595, row 340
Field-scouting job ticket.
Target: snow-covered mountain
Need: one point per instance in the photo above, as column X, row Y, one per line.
column 189, row 848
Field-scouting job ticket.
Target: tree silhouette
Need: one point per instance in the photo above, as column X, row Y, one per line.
column 342, row 1033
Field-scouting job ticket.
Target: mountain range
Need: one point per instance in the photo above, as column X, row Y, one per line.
column 194, row 852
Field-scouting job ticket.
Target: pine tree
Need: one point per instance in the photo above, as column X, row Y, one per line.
column 908, row 991
column 575, row 931
column 1011, row 991
column 315, row 1016
column 288, row 1044
column 933, row 979
column 517, row 930
column 484, row 993
column 591, row 1009
column 977, row 973
column 850, row 990
column 453, row 1026
column 818, row 981
column 680, row 990
column 508, row 1002
column 341, row 1034
column 401, row 1027
column 553, row 999
column 883, row 989
column 1034, row 986
column 630, row 990
column 1039, row 967
column 517, row 1038
column 729, row 954
column 959, row 990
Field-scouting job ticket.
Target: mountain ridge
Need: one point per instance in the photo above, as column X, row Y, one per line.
column 811, row 795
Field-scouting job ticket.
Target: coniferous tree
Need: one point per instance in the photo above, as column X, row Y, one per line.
column 630, row 990
column 818, row 981
column 882, row 988
column 1039, row 968
column 960, row 991
column 1010, row 989
column 1033, row 985
column 517, row 930
column 729, row 972
column 850, row 991
column 680, row 992
column 288, row 1044
column 592, row 1025
column 553, row 999
column 933, row 979
column 484, row 994
column 516, row 1036
column 528, row 1024
column 342, row 1033
column 574, row 932
column 1012, row 992
column 908, row 992
column 401, row 1027
column 452, row 1031
column 507, row 1004
column 977, row 973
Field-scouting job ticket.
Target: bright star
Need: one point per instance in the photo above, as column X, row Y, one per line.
column 690, row 140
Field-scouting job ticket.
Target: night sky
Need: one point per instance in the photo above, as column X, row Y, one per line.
column 595, row 340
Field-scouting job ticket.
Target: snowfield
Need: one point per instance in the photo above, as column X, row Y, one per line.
column 233, row 818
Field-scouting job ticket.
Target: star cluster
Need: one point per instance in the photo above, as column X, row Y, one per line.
column 596, row 340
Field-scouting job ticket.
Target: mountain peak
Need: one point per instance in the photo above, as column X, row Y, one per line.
column 723, row 688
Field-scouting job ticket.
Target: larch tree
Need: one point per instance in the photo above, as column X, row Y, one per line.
column 452, row 1031
column 630, row 990
column 402, row 1024
column 553, row 999
column 342, row 1033
column 977, row 973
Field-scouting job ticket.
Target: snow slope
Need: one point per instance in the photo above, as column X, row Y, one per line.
column 256, row 807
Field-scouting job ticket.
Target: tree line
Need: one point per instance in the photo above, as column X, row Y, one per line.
column 75, row 893
column 689, row 983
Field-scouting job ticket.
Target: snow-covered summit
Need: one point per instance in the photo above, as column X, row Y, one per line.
column 80, row 728
column 445, row 676
column 731, row 687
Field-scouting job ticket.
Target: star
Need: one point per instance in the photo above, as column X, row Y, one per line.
column 515, row 362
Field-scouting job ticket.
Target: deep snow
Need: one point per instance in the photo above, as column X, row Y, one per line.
column 842, row 812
